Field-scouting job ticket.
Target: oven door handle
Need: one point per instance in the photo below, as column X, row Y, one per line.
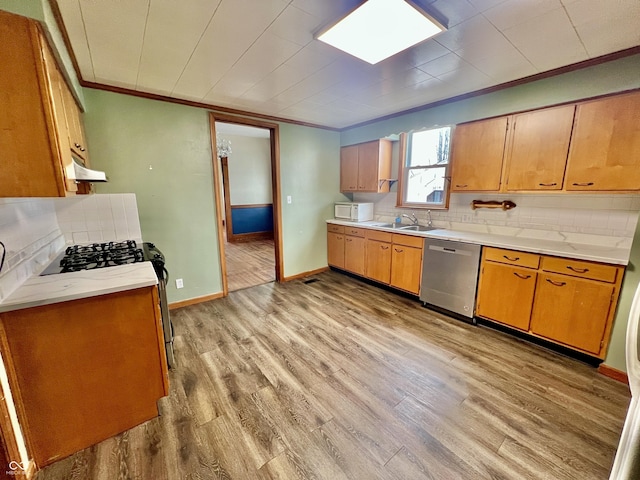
column 166, row 272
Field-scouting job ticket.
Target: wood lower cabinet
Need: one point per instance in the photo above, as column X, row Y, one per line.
column 521, row 285
column 605, row 145
column 354, row 250
column 572, row 311
column 406, row 263
column 335, row 249
column 84, row 370
column 569, row 302
column 378, row 260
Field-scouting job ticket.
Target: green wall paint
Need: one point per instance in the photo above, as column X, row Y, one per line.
column 310, row 174
column 127, row 135
column 162, row 153
column 26, row 8
column 616, row 76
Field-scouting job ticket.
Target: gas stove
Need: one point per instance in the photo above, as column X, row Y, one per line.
column 97, row 255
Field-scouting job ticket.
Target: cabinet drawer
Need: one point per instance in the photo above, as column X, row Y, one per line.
column 335, row 228
column 408, row 240
column 512, row 257
column 380, row 236
column 578, row 268
column 356, row 232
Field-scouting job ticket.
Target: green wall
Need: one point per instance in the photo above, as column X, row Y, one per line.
column 162, row 152
column 616, row 76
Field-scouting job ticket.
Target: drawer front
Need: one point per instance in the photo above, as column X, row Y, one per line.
column 380, row 236
column 335, row 228
column 356, row 232
column 512, row 257
column 579, row 268
column 408, row 240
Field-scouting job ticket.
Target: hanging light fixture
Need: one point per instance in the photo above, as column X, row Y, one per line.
column 378, row 29
column 223, row 146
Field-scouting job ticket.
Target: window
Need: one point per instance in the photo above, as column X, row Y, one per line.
column 424, row 173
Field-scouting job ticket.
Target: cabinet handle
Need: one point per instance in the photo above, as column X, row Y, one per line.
column 399, row 250
column 548, row 184
column 339, row 238
column 514, row 259
column 577, row 270
column 519, row 275
column 557, row 284
column 348, row 240
column 586, row 184
column 82, row 149
column 384, row 248
column 77, row 145
column 462, row 186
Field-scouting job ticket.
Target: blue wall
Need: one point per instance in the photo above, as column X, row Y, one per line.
column 252, row 219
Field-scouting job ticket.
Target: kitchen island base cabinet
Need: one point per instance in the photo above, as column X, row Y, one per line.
column 84, row 370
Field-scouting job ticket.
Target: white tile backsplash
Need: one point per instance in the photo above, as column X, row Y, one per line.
column 605, row 219
column 35, row 230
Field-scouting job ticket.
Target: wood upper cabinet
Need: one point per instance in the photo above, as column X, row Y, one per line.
column 539, row 143
column 476, row 155
column 363, row 166
column 605, row 146
column 335, row 249
column 75, row 125
column 521, row 285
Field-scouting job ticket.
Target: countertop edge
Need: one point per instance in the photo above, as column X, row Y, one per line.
column 554, row 248
column 50, row 289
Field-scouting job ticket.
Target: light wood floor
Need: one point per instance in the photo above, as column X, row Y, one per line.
column 336, row 379
column 250, row 263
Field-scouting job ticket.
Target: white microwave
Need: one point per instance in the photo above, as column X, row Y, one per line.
column 355, row 212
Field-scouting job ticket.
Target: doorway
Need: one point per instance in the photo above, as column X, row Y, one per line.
column 247, row 189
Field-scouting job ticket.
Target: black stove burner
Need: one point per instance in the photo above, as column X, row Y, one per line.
column 90, row 260
column 101, row 247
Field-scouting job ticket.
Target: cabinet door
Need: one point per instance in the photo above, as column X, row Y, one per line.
column 539, row 147
column 572, row 311
column 477, row 153
column 335, row 249
column 349, row 168
column 354, row 254
column 378, row 261
column 74, row 124
column 406, row 268
column 513, row 309
column 605, row 145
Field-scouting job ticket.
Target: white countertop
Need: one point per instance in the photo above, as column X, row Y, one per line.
column 62, row 287
column 580, row 251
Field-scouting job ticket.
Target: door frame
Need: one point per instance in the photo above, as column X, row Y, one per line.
column 274, row 136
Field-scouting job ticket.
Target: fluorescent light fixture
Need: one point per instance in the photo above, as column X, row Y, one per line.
column 378, row 29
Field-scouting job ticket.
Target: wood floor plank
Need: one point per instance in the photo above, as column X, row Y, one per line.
column 338, row 379
column 250, row 263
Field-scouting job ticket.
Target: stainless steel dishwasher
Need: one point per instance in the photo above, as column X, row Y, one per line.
column 450, row 276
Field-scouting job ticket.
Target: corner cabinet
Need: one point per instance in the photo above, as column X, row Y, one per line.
column 365, row 167
column 568, row 302
column 84, row 370
column 34, row 131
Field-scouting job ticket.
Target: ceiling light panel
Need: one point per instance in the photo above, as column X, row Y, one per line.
column 379, row 29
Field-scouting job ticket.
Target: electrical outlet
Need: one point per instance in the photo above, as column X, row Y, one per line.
column 467, row 218
column 289, row 199
column 179, row 283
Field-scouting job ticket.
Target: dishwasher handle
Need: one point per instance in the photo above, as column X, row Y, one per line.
column 450, row 251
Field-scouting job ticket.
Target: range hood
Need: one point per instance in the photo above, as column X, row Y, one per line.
column 84, row 174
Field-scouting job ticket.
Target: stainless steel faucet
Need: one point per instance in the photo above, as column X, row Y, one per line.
column 429, row 222
column 412, row 217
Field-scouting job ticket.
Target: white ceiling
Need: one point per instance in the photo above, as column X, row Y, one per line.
column 260, row 55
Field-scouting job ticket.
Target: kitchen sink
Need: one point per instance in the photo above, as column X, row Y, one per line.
column 418, row 228
column 392, row 225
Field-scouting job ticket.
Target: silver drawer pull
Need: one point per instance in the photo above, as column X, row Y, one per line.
column 577, row 270
column 557, row 284
column 519, row 275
